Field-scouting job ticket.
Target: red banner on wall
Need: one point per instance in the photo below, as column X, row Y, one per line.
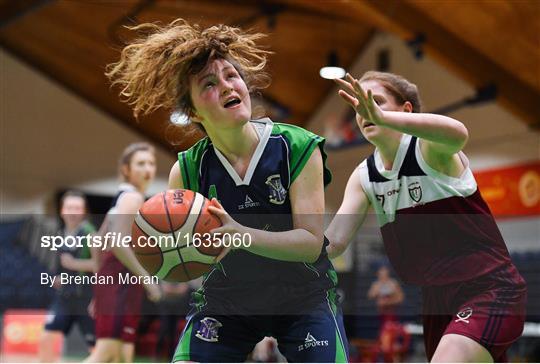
column 511, row 191
column 22, row 331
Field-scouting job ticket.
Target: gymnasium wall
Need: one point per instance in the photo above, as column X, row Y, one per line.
column 51, row 139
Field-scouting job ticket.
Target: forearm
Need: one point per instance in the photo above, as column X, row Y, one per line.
column 340, row 233
column 298, row 245
column 126, row 256
column 431, row 127
column 84, row 265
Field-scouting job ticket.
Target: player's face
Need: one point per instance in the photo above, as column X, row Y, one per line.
column 220, row 96
column 383, row 273
column 73, row 211
column 142, row 169
column 387, row 102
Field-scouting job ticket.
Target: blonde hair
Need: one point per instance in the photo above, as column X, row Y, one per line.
column 155, row 71
column 129, row 152
column 400, row 88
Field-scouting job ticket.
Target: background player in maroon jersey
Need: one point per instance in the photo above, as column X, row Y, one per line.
column 437, row 230
column 117, row 306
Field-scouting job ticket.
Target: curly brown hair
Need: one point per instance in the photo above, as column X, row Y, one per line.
column 155, row 70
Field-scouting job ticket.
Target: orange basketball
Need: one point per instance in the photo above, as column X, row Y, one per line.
column 170, row 235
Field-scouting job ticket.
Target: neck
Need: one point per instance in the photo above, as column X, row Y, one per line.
column 235, row 143
column 140, row 189
column 71, row 228
column 388, row 148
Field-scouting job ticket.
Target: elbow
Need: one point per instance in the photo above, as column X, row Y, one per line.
column 311, row 258
column 462, row 136
column 315, row 250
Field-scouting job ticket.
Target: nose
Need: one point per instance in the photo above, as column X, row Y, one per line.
column 226, row 87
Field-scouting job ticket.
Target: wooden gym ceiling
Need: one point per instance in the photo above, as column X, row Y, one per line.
column 483, row 42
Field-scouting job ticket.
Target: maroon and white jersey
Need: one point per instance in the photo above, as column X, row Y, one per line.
column 436, row 229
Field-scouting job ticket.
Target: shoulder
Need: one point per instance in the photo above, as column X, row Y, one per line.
column 301, row 143
column 196, row 150
column 188, row 164
column 130, row 198
column 294, row 133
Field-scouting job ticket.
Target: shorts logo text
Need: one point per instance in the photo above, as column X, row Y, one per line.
column 311, row 342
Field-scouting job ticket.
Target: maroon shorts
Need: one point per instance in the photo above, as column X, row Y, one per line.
column 489, row 309
column 117, row 310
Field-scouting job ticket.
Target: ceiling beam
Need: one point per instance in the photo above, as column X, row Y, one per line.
column 11, row 11
column 405, row 20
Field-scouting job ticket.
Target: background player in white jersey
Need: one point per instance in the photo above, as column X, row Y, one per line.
column 437, row 230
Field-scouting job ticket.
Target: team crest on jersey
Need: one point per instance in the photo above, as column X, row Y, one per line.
column 415, row 191
column 208, row 330
column 278, row 193
column 463, row 316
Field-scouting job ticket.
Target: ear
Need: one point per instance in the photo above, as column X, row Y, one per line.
column 407, row 107
column 194, row 117
column 124, row 169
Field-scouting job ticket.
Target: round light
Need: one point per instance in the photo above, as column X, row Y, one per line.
column 179, row 118
column 331, row 73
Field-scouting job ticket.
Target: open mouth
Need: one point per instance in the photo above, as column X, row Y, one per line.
column 232, row 102
column 366, row 125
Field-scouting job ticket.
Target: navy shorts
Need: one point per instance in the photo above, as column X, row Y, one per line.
column 318, row 336
column 64, row 312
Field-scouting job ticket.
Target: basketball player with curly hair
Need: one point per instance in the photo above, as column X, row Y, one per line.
column 269, row 180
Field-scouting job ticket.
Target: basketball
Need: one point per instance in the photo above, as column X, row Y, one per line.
column 170, row 235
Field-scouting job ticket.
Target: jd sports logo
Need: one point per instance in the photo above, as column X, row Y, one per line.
column 311, row 342
column 248, row 202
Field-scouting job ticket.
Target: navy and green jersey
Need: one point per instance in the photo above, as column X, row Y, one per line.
column 259, row 200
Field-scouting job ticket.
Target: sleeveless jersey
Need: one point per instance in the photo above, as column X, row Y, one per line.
column 436, row 229
column 259, row 200
column 111, row 265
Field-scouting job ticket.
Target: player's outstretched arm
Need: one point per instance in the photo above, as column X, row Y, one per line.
column 128, row 205
column 449, row 135
column 304, row 242
column 349, row 218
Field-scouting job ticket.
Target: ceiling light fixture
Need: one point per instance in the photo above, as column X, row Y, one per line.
column 179, row 118
column 332, row 70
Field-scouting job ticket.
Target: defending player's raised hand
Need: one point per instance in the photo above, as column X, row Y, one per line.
column 362, row 102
